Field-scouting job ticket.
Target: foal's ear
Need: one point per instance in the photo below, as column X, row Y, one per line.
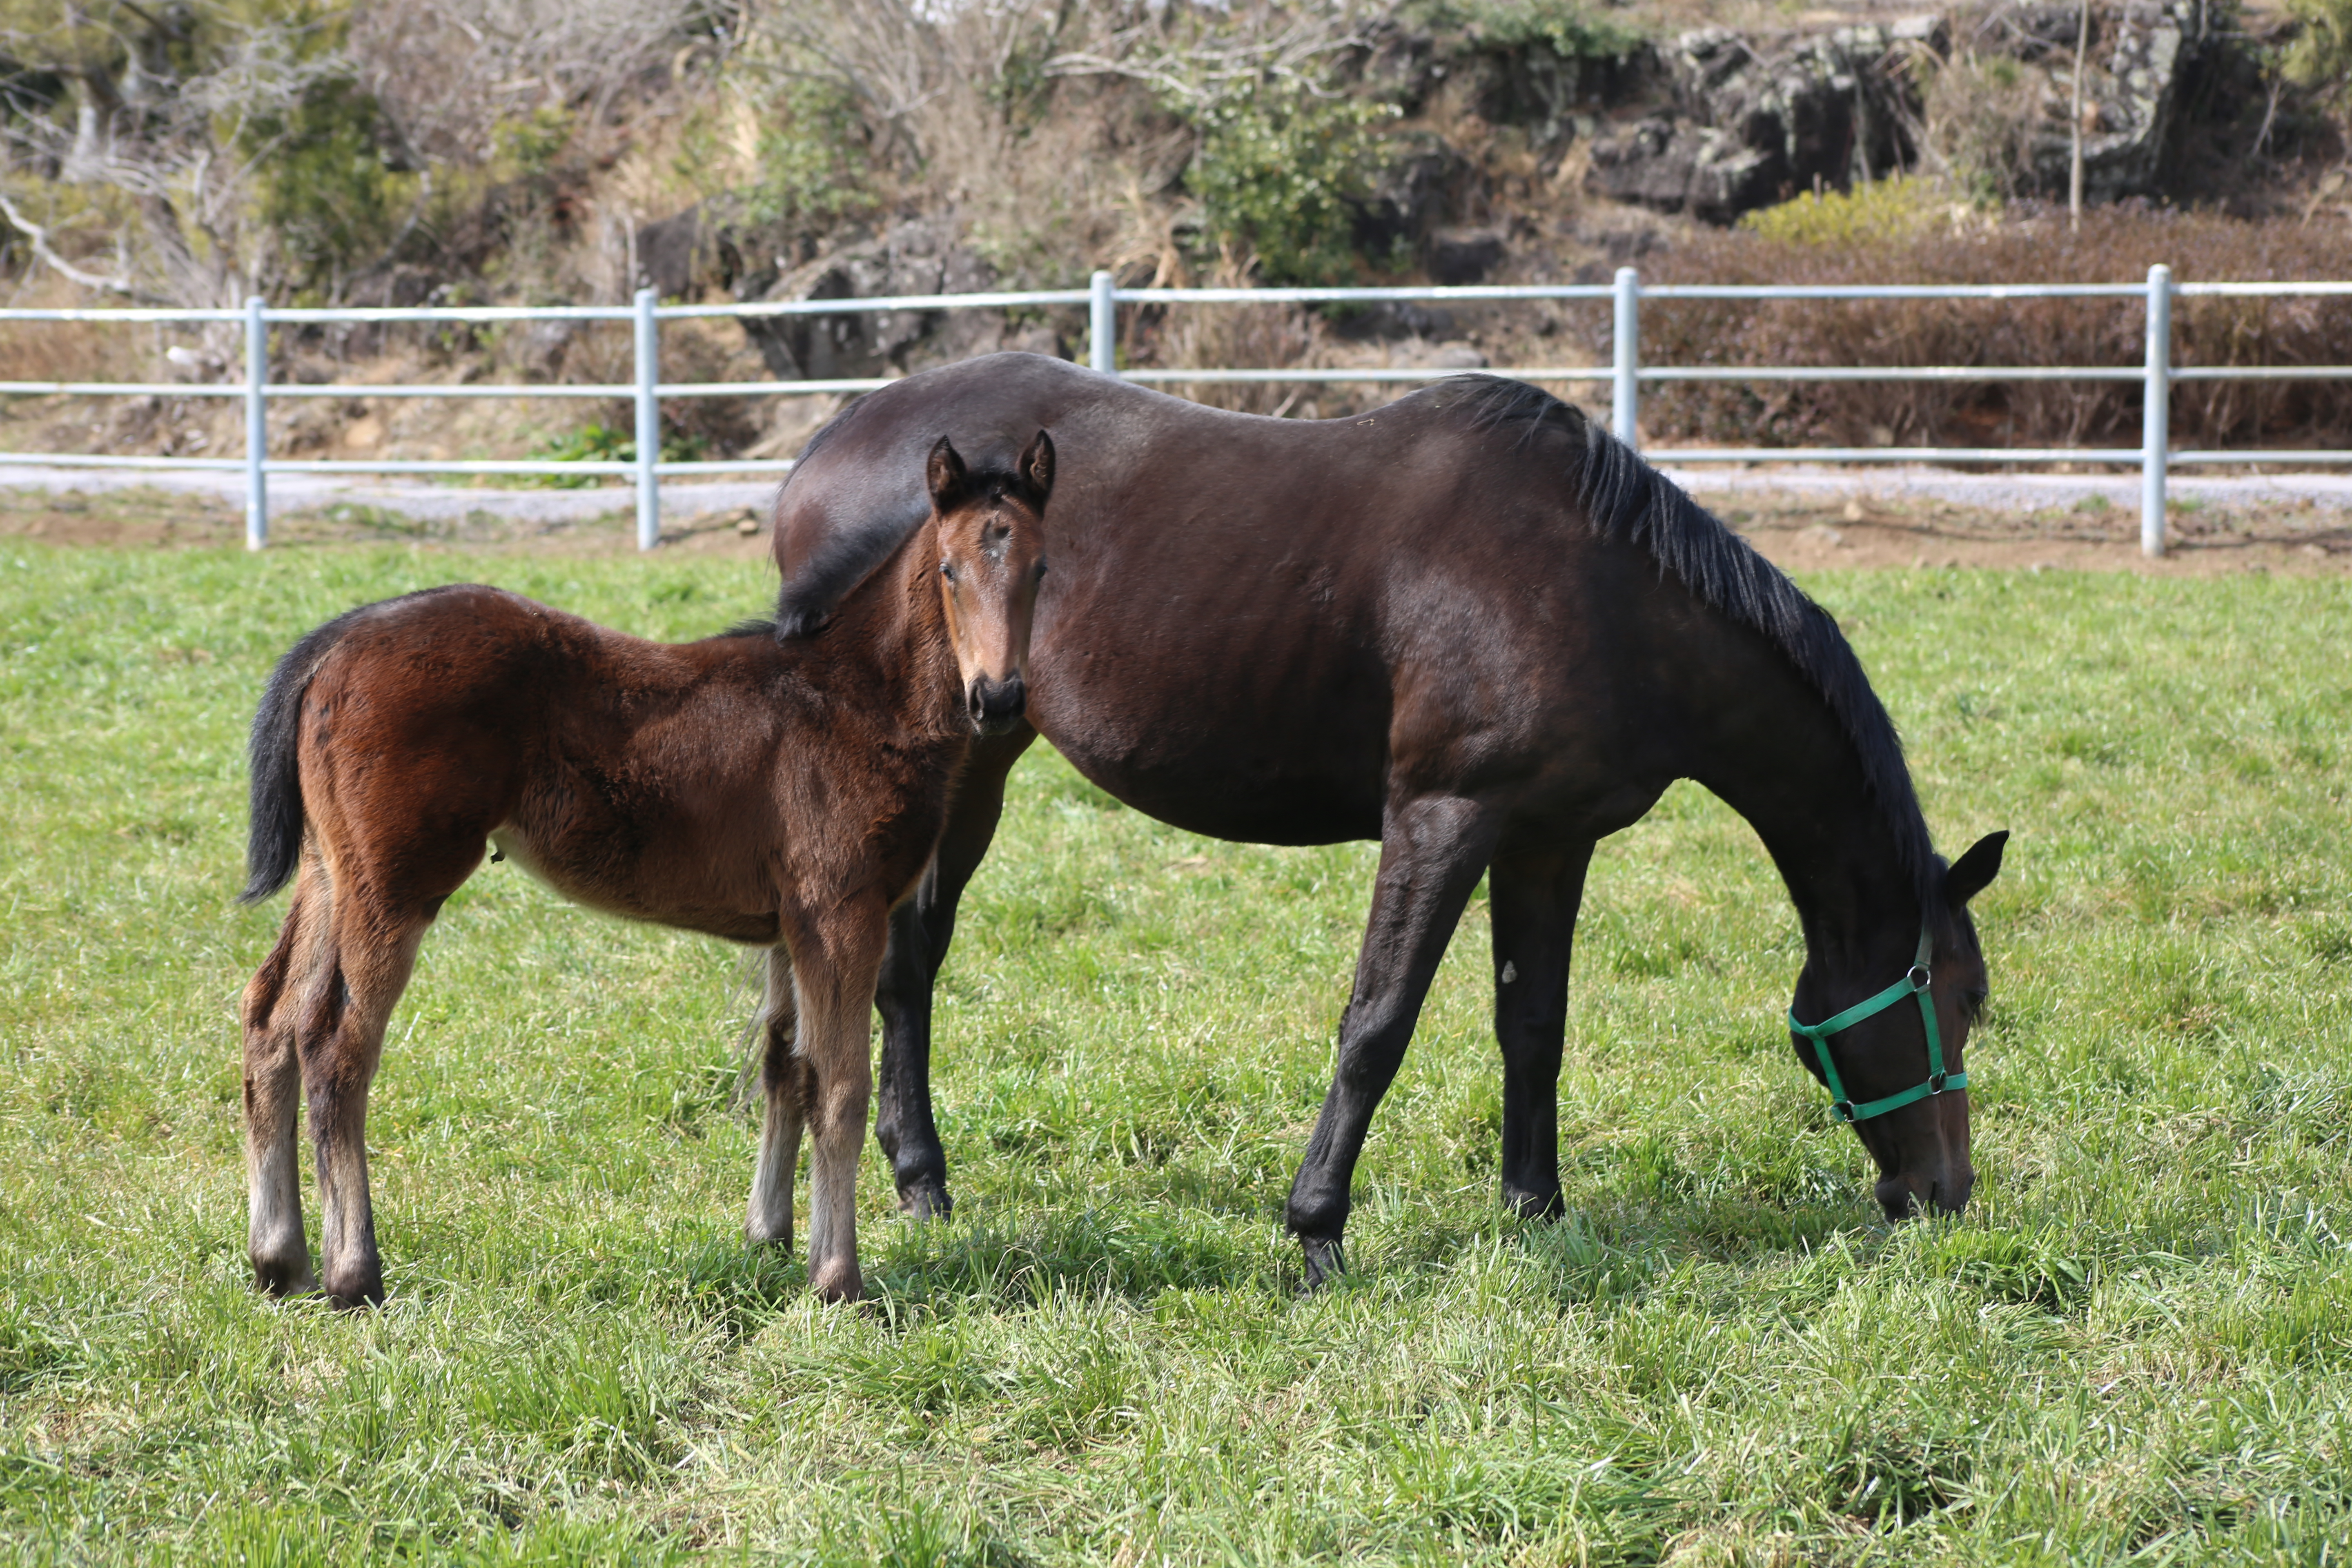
column 1036, row 469
column 1973, row 871
column 945, row 474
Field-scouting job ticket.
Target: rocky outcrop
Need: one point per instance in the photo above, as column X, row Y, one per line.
column 2131, row 90
column 1752, row 124
column 913, row 257
column 1751, row 121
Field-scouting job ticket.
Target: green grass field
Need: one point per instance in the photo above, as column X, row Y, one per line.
column 2136, row 1345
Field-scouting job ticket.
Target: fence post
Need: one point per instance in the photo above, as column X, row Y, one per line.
column 1102, row 324
column 2156, row 411
column 1626, row 340
column 648, row 422
column 257, row 424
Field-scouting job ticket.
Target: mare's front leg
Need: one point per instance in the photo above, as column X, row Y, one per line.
column 789, row 1083
column 274, row 1241
column 1433, row 848
column 836, row 957
column 1533, row 895
column 920, row 929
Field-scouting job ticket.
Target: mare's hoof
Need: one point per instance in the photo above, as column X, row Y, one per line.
column 755, row 1237
column 284, row 1277
column 1326, row 1261
column 1534, row 1205
column 838, row 1284
column 356, row 1291
column 925, row 1200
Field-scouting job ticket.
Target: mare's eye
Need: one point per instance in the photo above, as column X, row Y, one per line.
column 1040, row 569
column 946, row 570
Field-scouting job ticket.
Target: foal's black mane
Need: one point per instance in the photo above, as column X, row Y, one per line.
column 1626, row 499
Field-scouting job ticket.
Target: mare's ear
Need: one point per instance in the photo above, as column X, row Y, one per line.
column 1973, row 871
column 1036, row 469
column 945, row 474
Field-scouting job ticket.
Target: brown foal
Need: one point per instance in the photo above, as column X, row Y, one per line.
column 783, row 792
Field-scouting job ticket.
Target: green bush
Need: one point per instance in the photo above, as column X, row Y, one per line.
column 1894, row 209
column 329, row 186
column 1279, row 172
column 603, row 444
column 1571, row 31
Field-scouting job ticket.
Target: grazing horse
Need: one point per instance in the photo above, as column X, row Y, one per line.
column 780, row 793
column 1471, row 624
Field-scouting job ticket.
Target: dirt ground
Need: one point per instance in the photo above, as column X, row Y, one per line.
column 1800, row 533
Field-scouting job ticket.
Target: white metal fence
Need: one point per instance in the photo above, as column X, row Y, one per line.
column 1624, row 373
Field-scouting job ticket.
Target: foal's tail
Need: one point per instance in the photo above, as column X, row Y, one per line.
column 273, row 843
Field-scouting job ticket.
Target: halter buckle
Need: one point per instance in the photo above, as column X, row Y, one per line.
column 1936, row 1081
column 1842, row 1110
column 1920, row 976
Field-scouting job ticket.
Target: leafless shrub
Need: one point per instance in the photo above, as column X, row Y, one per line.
column 447, row 71
column 2115, row 245
column 1234, row 337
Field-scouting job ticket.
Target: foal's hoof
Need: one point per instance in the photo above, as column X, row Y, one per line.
column 1326, row 1261
column 838, row 1284
column 1549, row 1205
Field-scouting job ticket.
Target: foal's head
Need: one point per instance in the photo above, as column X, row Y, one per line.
column 991, row 543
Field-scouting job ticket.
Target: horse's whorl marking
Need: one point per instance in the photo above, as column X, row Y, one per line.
column 1624, row 498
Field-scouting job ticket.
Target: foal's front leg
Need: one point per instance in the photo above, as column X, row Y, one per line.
column 836, row 957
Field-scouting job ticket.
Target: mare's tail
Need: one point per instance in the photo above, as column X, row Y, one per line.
column 273, row 843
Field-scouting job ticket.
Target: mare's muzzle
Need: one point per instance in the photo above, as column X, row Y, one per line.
column 995, row 706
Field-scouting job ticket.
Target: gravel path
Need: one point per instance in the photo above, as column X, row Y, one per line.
column 680, row 498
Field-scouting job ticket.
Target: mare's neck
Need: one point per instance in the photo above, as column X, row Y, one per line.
column 1778, row 756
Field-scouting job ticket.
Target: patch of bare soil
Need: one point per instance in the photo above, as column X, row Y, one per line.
column 1809, row 534
column 163, row 520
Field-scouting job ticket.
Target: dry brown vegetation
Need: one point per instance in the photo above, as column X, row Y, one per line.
column 2115, row 245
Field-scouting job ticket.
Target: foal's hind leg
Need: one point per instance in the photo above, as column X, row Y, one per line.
column 274, row 1241
column 1533, row 899
column 374, row 952
column 790, row 1083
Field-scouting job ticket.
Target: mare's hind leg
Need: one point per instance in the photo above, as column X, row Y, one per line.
column 1533, row 897
column 274, row 1241
column 920, row 929
column 1432, row 850
column 790, row 1082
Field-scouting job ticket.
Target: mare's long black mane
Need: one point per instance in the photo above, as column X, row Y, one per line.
column 1626, row 499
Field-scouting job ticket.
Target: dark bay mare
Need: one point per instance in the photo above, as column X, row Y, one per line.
column 1471, row 624
column 781, row 794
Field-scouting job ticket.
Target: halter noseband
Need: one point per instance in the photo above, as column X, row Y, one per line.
column 1914, row 982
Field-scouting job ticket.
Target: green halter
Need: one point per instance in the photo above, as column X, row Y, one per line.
column 1913, row 983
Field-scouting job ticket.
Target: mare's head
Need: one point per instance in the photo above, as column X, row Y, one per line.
column 1921, row 1147
column 990, row 529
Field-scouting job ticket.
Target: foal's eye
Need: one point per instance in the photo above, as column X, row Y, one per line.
column 946, row 570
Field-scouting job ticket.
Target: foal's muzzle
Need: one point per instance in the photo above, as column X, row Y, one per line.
column 995, row 706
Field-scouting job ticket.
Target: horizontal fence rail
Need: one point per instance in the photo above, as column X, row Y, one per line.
column 1625, row 374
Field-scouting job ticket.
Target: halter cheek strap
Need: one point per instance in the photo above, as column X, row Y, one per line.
column 1913, row 983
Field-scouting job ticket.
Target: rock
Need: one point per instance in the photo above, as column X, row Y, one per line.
column 2130, row 93
column 921, row 256
column 1464, row 255
column 1390, row 319
column 1756, row 125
